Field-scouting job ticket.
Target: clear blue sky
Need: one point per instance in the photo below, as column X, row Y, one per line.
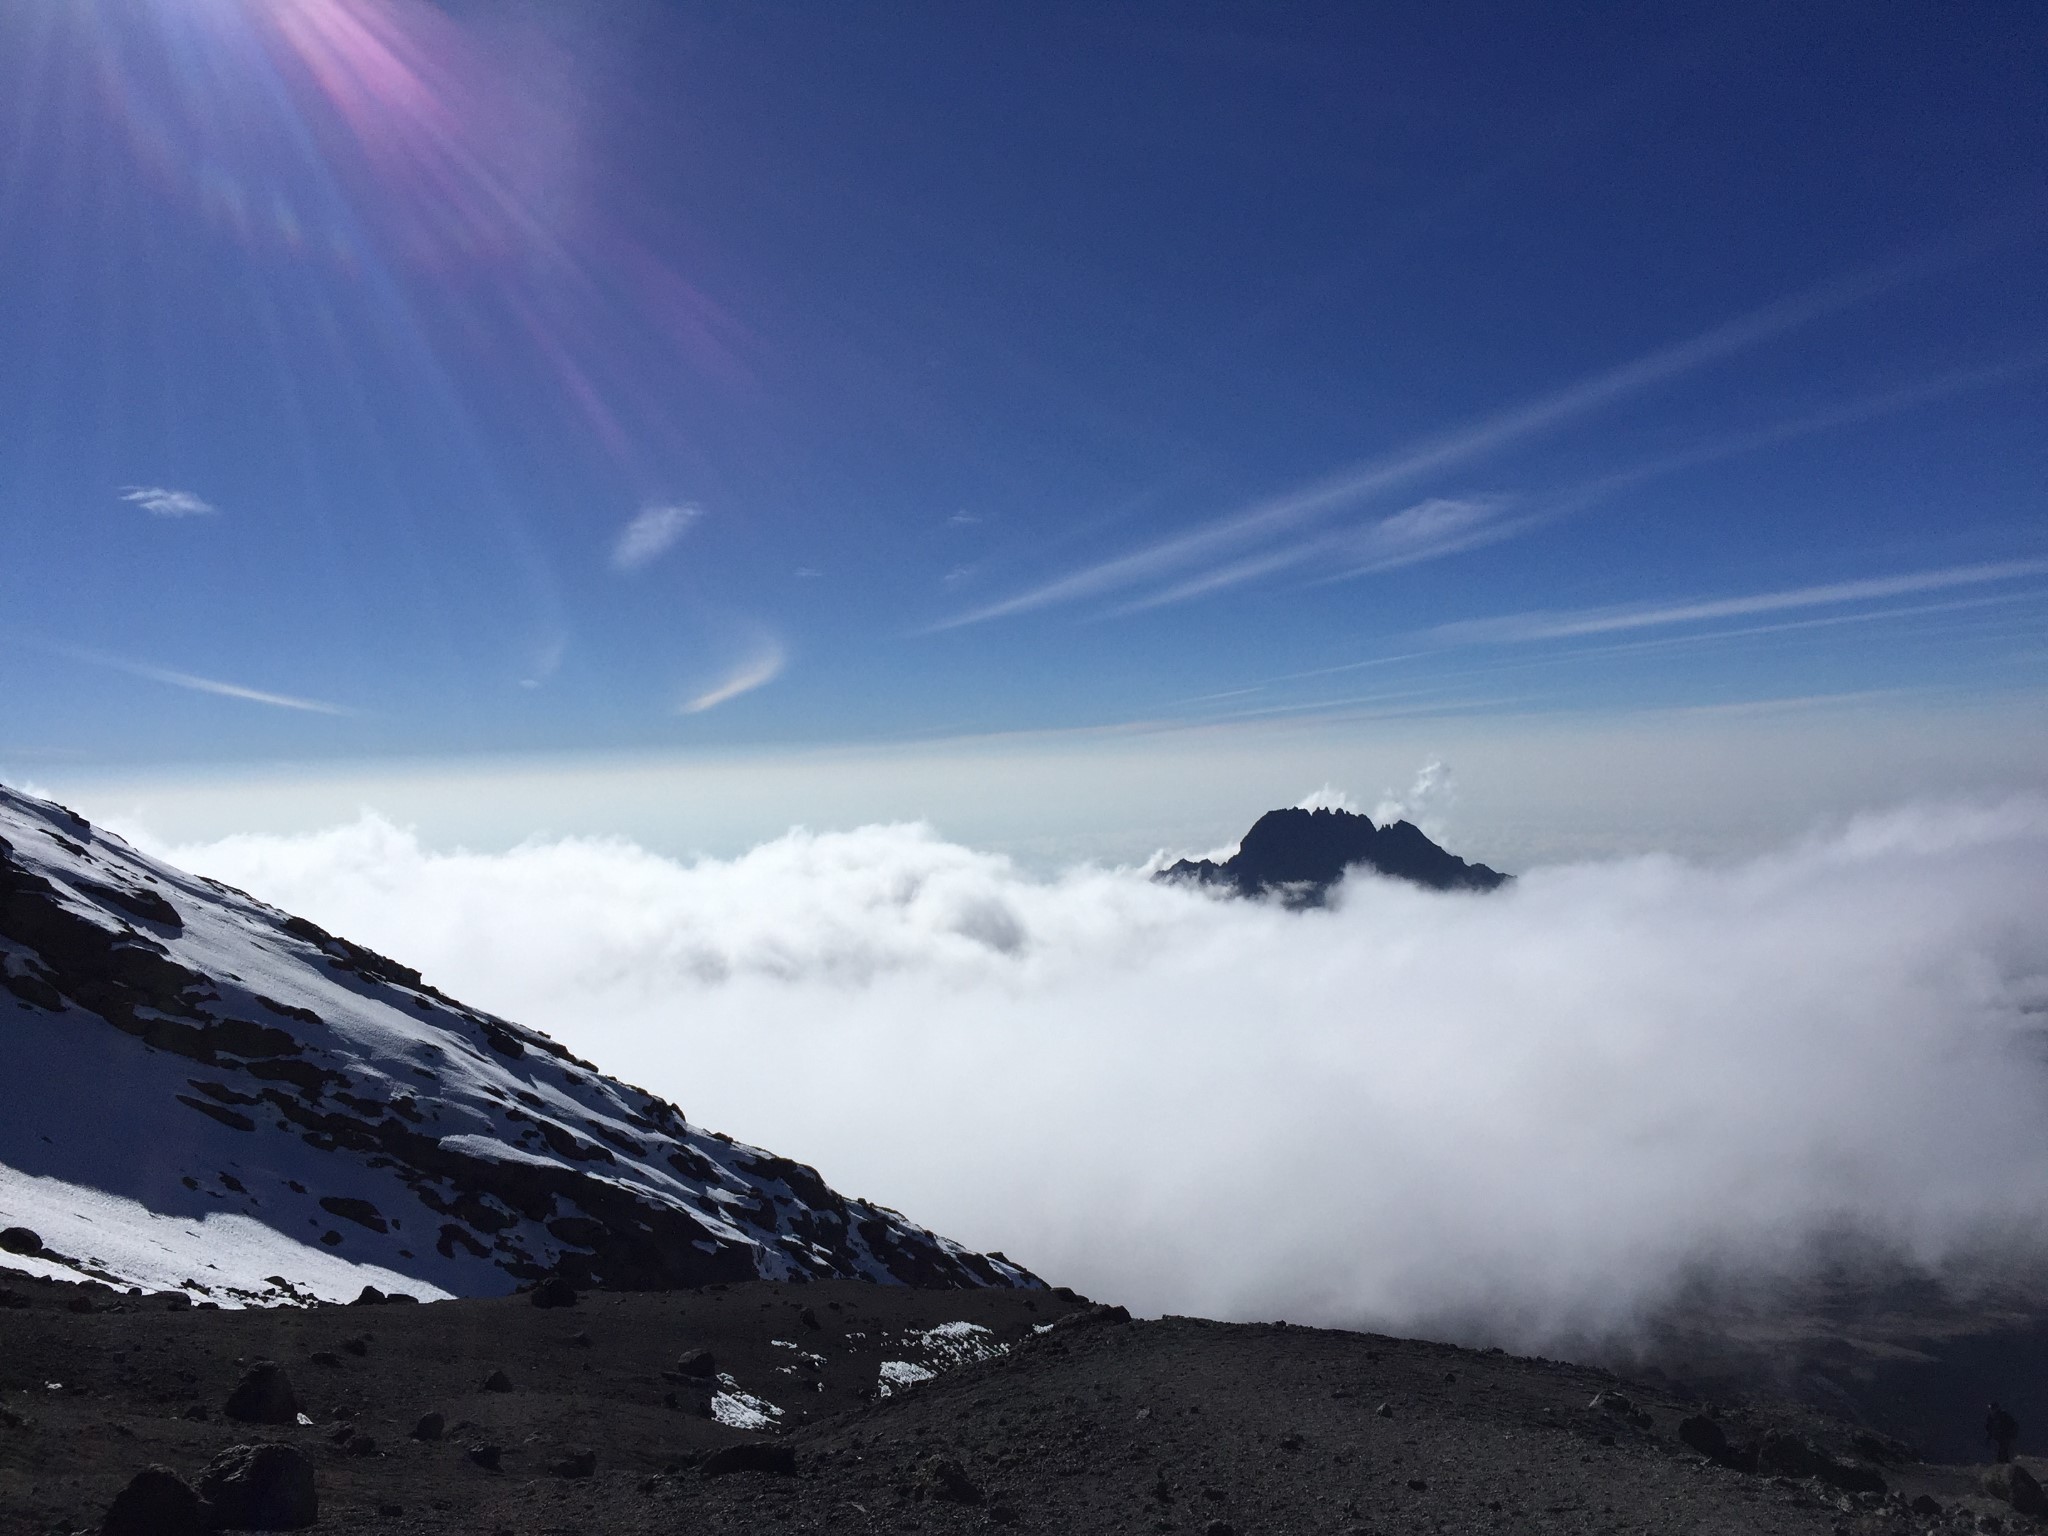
column 388, row 378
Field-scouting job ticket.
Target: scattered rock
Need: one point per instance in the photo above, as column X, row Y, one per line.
column 370, row 1297
column 328, row 1358
column 1925, row 1506
column 2016, row 1486
column 1384, row 1411
column 361, row 1445
column 576, row 1464
column 486, row 1456
column 358, row 1346
column 264, row 1396
column 1219, row 1528
column 809, row 1318
column 697, row 1364
column 750, row 1456
column 497, row 1381
column 157, row 1502
column 430, row 1427
column 23, row 1240
column 554, row 1291
column 948, row 1480
column 261, row 1488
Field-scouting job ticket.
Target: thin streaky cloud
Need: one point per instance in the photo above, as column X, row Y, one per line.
column 1471, row 441
column 1429, row 530
column 199, row 684
column 1849, row 413
column 759, row 670
column 651, row 534
column 1449, row 527
column 162, row 501
column 1562, row 625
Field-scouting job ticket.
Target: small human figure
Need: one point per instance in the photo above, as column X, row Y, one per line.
column 2001, row 1429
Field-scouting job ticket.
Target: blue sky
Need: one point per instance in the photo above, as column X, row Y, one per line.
column 394, row 380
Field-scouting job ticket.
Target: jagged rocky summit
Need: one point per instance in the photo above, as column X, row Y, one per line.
column 199, row 1092
column 1297, row 855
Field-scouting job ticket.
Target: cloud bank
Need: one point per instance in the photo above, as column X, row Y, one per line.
column 1520, row 1117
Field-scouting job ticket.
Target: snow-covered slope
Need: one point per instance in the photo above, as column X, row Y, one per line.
column 168, row 1041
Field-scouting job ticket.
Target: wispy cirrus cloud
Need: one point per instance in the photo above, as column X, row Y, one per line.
column 199, row 684
column 1219, row 539
column 1566, row 624
column 162, row 501
column 757, row 671
column 651, row 534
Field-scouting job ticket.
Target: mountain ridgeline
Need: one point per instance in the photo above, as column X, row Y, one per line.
column 1298, row 855
column 245, row 1083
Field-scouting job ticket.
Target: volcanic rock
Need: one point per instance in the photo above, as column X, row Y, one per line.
column 157, row 1502
column 2018, row 1487
column 263, row 1396
column 261, row 1488
column 22, row 1240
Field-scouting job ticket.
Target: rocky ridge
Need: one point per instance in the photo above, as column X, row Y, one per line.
column 257, row 1085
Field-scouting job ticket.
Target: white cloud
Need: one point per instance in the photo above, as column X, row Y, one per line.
column 160, row 501
column 1572, row 624
column 651, row 534
column 1519, row 1116
column 1328, row 798
column 758, row 670
column 1427, row 802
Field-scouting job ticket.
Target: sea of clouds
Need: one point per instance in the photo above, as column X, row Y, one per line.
column 1521, row 1116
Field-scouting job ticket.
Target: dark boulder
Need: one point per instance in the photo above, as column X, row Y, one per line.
column 2018, row 1487
column 22, row 1240
column 948, row 1480
column 431, row 1426
column 1789, row 1456
column 261, row 1488
column 370, row 1297
column 489, row 1457
column 1702, row 1434
column 263, row 1396
column 553, row 1292
column 576, row 1464
column 750, row 1456
column 697, row 1364
column 497, row 1381
column 157, row 1502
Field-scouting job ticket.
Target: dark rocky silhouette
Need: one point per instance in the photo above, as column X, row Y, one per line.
column 157, row 1502
column 1298, row 855
column 264, row 1396
column 261, row 1488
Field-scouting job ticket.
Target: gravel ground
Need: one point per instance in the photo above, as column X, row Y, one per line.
column 1074, row 1420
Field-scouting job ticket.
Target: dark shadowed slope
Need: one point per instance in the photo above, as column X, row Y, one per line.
column 202, row 1093
column 1298, row 855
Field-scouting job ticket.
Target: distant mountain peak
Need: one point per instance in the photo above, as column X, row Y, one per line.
column 1298, row 854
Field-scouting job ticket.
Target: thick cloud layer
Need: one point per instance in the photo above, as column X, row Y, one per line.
column 1520, row 1115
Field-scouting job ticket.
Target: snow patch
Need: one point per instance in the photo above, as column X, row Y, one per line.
column 221, row 1256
